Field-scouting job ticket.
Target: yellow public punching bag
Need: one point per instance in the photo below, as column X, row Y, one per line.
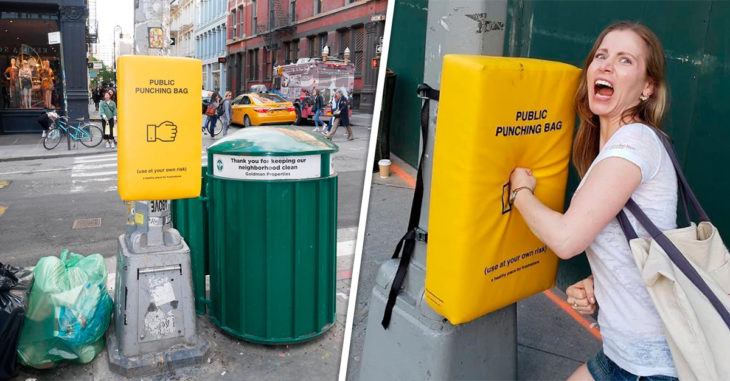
column 160, row 141
column 495, row 114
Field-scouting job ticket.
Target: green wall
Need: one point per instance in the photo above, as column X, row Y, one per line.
column 405, row 59
column 696, row 38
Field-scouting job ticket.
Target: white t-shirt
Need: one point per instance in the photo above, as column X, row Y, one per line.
column 633, row 334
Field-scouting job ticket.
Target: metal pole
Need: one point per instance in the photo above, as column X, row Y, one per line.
column 419, row 343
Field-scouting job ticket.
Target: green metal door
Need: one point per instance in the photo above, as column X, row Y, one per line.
column 696, row 38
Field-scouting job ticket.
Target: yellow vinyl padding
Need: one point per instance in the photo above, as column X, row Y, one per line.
column 159, row 114
column 494, row 114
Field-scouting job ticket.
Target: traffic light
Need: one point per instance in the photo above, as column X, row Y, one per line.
column 376, row 62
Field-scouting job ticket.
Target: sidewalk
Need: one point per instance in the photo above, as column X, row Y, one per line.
column 30, row 146
column 552, row 340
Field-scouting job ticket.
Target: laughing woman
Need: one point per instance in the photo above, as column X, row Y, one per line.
column 621, row 96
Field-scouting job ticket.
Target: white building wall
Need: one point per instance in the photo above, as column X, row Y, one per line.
column 184, row 16
column 210, row 42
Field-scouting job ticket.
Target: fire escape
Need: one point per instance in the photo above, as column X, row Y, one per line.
column 280, row 25
column 92, row 27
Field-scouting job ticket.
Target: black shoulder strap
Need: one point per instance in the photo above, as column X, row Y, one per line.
column 408, row 242
column 676, row 256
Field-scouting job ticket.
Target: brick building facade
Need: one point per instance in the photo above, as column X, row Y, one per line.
column 262, row 34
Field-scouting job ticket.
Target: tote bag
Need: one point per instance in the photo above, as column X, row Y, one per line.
column 687, row 273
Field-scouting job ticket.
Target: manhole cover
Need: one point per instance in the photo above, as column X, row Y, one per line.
column 87, row 223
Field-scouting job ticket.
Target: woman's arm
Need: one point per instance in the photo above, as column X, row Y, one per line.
column 604, row 193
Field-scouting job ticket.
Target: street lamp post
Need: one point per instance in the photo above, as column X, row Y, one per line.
column 114, row 53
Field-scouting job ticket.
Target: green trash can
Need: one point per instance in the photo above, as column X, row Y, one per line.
column 272, row 198
column 190, row 218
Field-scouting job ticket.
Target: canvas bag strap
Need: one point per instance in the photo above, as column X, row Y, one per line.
column 677, row 258
column 408, row 242
column 669, row 248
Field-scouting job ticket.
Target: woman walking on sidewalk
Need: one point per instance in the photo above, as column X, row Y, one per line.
column 108, row 113
column 342, row 116
column 227, row 112
column 318, row 104
column 621, row 97
column 212, row 113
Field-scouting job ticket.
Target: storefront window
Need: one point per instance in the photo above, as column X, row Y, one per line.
column 30, row 67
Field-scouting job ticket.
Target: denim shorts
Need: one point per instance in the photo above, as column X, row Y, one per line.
column 603, row 369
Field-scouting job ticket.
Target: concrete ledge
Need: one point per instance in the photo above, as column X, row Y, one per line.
column 178, row 356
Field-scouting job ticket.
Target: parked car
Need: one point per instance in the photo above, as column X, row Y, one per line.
column 255, row 109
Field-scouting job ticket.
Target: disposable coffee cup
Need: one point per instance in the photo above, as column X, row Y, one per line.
column 384, row 168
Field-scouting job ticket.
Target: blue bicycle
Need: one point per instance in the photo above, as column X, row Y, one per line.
column 88, row 134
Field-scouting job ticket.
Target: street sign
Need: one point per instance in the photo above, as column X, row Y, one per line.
column 377, row 18
column 98, row 65
column 159, row 127
column 54, row 38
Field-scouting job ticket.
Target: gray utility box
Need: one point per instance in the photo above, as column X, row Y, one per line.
column 154, row 319
column 419, row 344
column 154, row 296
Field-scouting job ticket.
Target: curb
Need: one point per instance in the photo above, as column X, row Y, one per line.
column 53, row 156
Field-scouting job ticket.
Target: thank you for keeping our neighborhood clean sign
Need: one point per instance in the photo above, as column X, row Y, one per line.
column 159, row 127
column 267, row 167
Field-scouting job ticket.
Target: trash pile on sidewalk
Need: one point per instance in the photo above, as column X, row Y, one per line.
column 58, row 312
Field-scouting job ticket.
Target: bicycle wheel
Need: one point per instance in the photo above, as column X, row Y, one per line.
column 53, row 138
column 218, row 127
column 92, row 135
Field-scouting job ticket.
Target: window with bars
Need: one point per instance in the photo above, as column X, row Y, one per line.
column 343, row 41
column 295, row 50
column 312, row 46
column 358, row 43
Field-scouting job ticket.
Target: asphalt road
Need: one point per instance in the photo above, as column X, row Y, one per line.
column 44, row 197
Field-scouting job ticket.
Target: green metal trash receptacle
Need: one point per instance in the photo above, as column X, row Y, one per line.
column 190, row 218
column 273, row 228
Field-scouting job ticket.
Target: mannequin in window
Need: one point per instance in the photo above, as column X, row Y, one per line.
column 11, row 75
column 46, row 83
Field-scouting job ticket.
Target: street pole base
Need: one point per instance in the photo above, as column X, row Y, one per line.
column 176, row 357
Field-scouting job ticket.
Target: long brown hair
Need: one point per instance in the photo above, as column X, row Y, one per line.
column 651, row 111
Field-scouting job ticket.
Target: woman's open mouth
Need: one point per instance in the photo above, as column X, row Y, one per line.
column 603, row 89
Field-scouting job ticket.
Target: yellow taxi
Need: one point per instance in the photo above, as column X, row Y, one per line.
column 254, row 109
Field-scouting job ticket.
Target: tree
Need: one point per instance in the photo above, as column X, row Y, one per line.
column 105, row 75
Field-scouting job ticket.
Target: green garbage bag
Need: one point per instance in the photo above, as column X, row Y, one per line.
column 68, row 313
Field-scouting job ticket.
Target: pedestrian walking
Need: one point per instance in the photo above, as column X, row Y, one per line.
column 318, row 106
column 96, row 96
column 333, row 107
column 108, row 112
column 227, row 112
column 622, row 96
column 341, row 116
column 212, row 114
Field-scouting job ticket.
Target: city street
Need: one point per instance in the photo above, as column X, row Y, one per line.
column 43, row 199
